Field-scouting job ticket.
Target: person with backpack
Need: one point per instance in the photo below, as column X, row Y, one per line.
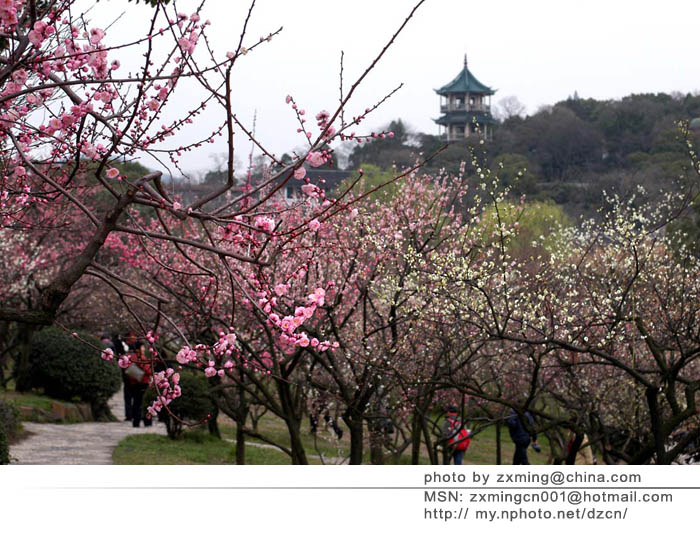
column 455, row 436
column 521, row 437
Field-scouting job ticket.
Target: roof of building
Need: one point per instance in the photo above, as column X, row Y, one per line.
column 465, row 117
column 325, row 178
column 465, row 82
column 695, row 124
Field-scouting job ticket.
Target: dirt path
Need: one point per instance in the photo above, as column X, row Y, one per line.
column 79, row 443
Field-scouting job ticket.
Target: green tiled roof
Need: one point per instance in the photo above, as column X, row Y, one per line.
column 465, row 117
column 465, row 82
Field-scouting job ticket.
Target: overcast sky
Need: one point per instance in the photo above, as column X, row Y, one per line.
column 540, row 51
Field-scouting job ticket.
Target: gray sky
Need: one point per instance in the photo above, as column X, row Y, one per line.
column 540, row 51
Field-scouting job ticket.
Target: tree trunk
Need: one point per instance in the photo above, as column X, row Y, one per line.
column 213, row 423
column 102, row 412
column 376, row 444
column 23, row 381
column 656, row 425
column 415, row 438
column 432, row 449
column 240, row 442
column 293, row 421
column 499, row 453
column 575, row 445
column 4, row 354
column 354, row 424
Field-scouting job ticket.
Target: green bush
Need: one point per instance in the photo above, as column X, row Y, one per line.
column 66, row 368
column 9, row 428
column 194, row 405
column 4, row 447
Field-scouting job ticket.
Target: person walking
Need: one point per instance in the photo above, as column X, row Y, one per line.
column 121, row 348
column 455, row 436
column 138, row 375
column 521, row 437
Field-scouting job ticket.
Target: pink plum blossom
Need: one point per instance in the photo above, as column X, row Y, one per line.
column 315, row 159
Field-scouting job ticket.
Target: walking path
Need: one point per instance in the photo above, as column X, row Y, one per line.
column 78, row 443
column 92, row 442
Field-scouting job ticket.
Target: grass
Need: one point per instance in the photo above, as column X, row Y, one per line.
column 196, row 447
column 29, row 399
column 482, row 449
column 40, row 407
column 272, row 427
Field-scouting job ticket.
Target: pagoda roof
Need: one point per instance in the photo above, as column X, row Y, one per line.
column 465, row 117
column 465, row 82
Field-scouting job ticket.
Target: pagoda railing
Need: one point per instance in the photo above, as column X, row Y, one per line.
column 465, row 108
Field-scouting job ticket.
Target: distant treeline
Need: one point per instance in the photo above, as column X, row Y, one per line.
column 572, row 152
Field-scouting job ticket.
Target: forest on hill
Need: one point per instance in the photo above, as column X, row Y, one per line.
column 573, row 152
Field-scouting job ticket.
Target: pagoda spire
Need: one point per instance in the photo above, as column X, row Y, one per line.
column 465, row 59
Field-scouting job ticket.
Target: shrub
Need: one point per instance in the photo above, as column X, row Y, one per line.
column 9, row 427
column 195, row 403
column 4, row 447
column 66, row 368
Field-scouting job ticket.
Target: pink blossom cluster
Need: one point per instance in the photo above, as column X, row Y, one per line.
column 186, row 355
column 167, row 384
column 316, row 158
column 322, row 118
column 289, row 323
column 189, row 42
column 225, row 345
column 229, row 234
column 265, row 223
column 8, row 13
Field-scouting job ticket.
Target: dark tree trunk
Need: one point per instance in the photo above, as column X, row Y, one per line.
column 102, row 412
column 298, row 451
column 656, row 425
column 573, row 451
column 376, row 445
column 415, row 438
column 432, row 449
column 240, row 442
column 212, row 422
column 354, row 423
column 293, row 421
column 23, row 380
column 4, row 351
column 499, row 453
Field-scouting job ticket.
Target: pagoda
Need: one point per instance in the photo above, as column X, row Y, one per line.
column 465, row 104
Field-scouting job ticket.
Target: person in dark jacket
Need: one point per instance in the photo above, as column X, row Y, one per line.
column 138, row 386
column 521, row 437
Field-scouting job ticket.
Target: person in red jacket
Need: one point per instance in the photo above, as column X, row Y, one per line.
column 455, row 436
column 139, row 375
